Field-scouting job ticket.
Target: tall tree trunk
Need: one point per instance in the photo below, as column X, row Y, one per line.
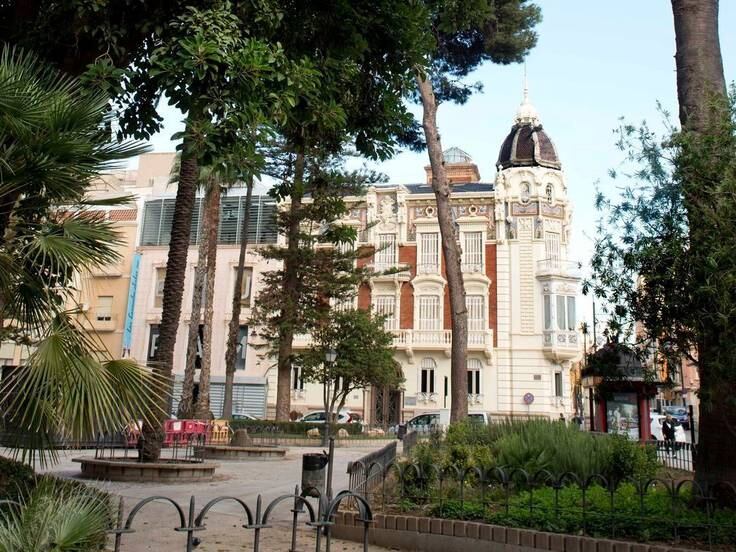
column 700, row 81
column 234, row 327
column 698, row 59
column 291, row 281
column 202, row 408
column 176, row 266
column 450, row 252
column 186, row 404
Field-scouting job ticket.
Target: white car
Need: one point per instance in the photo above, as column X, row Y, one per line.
column 318, row 417
column 656, row 420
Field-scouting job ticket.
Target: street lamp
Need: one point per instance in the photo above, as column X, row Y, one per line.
column 330, row 356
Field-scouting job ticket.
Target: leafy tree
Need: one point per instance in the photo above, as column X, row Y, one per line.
column 53, row 144
column 464, row 34
column 665, row 264
column 225, row 78
column 364, row 357
column 364, row 52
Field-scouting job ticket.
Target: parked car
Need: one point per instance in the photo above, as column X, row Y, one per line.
column 656, row 420
column 343, row 417
column 425, row 422
column 679, row 413
column 243, row 416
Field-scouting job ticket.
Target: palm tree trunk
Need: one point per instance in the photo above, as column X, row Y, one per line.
column 202, row 408
column 700, row 82
column 234, row 327
column 173, row 290
column 186, row 404
column 698, row 59
column 288, row 314
column 450, row 252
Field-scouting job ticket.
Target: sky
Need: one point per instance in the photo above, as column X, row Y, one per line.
column 595, row 62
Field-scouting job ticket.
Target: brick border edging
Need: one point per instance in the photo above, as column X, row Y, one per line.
column 439, row 535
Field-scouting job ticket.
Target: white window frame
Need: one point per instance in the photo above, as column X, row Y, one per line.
column 548, row 319
column 387, row 252
column 429, row 253
column 552, row 241
column 428, row 367
column 476, row 306
column 472, row 258
column 103, row 312
column 558, row 384
column 158, row 289
column 247, row 284
column 475, row 377
column 297, row 378
column 385, row 305
column 429, row 312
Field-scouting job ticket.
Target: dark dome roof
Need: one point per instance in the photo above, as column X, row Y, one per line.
column 527, row 145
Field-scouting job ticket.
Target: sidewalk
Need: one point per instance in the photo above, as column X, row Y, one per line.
column 243, row 480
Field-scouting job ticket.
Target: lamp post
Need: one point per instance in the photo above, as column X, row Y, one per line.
column 330, row 356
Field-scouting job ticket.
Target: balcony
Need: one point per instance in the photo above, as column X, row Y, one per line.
column 428, row 268
column 393, row 272
column 114, row 270
column 472, row 268
column 561, row 344
column 559, row 267
column 425, row 340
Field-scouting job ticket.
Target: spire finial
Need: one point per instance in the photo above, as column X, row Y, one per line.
column 526, row 112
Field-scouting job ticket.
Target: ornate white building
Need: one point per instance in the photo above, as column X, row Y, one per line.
column 520, row 285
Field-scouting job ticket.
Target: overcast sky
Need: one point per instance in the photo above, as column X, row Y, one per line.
column 596, row 61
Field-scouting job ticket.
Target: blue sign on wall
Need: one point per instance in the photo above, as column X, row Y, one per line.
column 130, row 311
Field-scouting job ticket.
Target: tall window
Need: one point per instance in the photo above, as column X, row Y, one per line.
column 246, row 285
column 475, row 305
column 386, row 254
column 386, row 306
column 549, row 192
column 474, row 369
column 297, row 378
column 547, row 312
column 473, row 252
column 429, row 260
column 429, row 313
column 558, row 384
column 552, row 247
column 158, row 299
column 426, row 383
column 104, row 307
column 561, row 312
column 571, row 313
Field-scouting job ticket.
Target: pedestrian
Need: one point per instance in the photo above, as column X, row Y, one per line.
column 668, row 432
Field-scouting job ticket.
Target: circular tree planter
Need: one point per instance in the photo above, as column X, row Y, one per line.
column 236, row 453
column 175, row 471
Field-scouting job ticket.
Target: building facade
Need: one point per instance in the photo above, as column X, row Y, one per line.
column 521, row 288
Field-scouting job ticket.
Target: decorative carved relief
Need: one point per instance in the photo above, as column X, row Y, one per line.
column 521, row 209
column 552, row 210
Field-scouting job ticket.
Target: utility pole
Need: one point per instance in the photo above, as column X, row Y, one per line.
column 595, row 339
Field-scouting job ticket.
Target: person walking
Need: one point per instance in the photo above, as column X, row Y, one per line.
column 668, row 432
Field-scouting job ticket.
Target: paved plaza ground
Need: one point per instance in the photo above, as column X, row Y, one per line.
column 244, row 480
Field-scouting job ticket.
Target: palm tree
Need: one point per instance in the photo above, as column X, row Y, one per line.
column 54, row 140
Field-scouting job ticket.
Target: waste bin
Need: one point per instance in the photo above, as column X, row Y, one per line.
column 313, row 473
column 401, row 431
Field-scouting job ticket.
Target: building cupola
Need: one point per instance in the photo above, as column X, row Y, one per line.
column 527, row 144
column 458, row 165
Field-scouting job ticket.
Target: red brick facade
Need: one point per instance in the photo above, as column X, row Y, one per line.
column 493, row 290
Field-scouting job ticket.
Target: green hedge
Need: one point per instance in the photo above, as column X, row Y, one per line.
column 656, row 518
column 292, row 428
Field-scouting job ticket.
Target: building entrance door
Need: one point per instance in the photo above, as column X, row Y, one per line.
column 386, row 406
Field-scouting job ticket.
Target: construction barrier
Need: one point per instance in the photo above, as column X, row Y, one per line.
column 219, row 432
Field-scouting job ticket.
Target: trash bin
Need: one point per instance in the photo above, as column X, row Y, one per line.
column 313, row 473
column 401, row 431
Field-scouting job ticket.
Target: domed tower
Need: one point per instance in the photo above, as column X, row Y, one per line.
column 537, row 285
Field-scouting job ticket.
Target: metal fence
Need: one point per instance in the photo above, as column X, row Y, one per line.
column 362, row 478
column 256, row 520
column 675, row 455
column 666, row 510
column 117, row 446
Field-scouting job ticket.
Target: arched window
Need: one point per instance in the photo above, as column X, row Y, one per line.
column 474, row 370
column 426, row 379
column 549, row 191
